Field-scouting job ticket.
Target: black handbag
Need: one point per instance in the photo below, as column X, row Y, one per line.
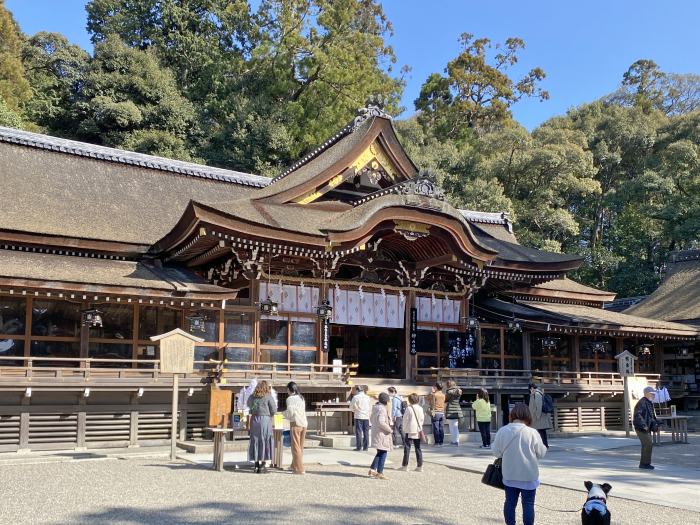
column 493, row 476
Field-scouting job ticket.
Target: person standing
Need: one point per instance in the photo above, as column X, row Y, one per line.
column 645, row 422
column 520, row 449
column 381, row 435
column 262, row 407
column 397, row 416
column 361, row 408
column 413, row 425
column 296, row 414
column 437, row 413
column 453, row 410
column 541, row 420
column 482, row 408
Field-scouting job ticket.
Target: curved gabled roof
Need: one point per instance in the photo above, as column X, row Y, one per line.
column 334, row 157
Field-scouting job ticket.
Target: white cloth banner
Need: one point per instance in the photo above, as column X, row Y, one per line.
column 372, row 309
column 290, row 298
column 438, row 310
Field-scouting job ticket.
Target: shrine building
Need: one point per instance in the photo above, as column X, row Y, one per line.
column 348, row 267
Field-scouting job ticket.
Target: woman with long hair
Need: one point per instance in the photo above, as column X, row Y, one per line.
column 262, row 407
column 520, row 448
column 453, row 410
column 381, row 435
column 482, row 408
column 296, row 413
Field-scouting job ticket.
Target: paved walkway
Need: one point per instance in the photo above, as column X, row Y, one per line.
column 569, row 462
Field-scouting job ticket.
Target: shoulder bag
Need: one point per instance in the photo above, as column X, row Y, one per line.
column 493, row 476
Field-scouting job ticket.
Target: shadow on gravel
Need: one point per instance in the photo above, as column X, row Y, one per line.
column 211, row 513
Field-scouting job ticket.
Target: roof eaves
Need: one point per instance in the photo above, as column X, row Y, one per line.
column 84, row 149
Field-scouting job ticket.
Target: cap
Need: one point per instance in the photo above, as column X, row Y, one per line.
column 649, row 390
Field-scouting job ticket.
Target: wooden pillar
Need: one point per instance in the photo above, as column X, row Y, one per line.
column 576, row 348
column 173, row 418
column 134, row 421
column 254, row 292
column 579, row 415
column 182, row 436
column 82, row 423
column 84, row 341
column 527, row 352
column 499, row 410
column 24, row 424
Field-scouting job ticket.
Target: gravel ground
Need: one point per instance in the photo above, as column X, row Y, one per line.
column 142, row 491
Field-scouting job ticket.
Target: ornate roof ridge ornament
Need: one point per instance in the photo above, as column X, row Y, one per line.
column 425, row 185
column 374, row 107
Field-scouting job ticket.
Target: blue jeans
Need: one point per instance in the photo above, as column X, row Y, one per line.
column 378, row 461
column 511, row 503
column 362, row 434
column 439, row 428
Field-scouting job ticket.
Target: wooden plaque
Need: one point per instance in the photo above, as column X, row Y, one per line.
column 177, row 351
column 220, row 405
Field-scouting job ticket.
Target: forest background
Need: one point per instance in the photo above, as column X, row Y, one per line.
column 220, row 82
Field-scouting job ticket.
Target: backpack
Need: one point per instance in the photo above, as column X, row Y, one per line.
column 404, row 406
column 547, row 404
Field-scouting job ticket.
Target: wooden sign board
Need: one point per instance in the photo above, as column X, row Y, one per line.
column 177, row 351
column 220, row 407
column 625, row 363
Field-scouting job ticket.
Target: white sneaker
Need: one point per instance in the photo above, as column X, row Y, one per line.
column 418, row 469
column 403, row 469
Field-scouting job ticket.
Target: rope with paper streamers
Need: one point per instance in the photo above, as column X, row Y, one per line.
column 289, row 279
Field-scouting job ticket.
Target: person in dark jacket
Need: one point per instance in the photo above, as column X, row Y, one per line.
column 453, row 410
column 645, row 422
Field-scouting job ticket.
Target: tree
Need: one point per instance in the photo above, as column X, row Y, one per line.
column 55, row 69
column 477, row 92
column 128, row 100
column 14, row 87
column 9, row 118
column 267, row 85
column 644, row 85
column 202, row 41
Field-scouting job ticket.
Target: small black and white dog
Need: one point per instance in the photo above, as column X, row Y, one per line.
column 595, row 510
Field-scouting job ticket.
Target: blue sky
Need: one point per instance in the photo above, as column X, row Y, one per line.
column 583, row 46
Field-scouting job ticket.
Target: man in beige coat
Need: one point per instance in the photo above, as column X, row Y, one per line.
column 541, row 421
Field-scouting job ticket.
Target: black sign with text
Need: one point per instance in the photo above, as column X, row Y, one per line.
column 325, row 335
column 413, row 330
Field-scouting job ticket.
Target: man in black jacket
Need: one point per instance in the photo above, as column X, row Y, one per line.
column 645, row 423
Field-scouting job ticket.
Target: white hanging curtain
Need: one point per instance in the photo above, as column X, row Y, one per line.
column 370, row 309
column 438, row 310
column 290, row 298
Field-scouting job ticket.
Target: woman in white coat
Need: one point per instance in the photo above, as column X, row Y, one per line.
column 520, row 448
column 413, row 420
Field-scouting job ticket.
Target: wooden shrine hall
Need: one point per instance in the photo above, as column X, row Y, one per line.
column 350, row 266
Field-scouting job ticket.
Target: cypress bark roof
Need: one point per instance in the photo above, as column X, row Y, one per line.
column 39, row 270
column 678, row 296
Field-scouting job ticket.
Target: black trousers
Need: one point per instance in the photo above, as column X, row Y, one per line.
column 485, row 429
column 407, row 441
column 543, row 435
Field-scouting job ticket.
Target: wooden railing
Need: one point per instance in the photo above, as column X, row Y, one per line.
column 475, row 377
column 129, row 371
